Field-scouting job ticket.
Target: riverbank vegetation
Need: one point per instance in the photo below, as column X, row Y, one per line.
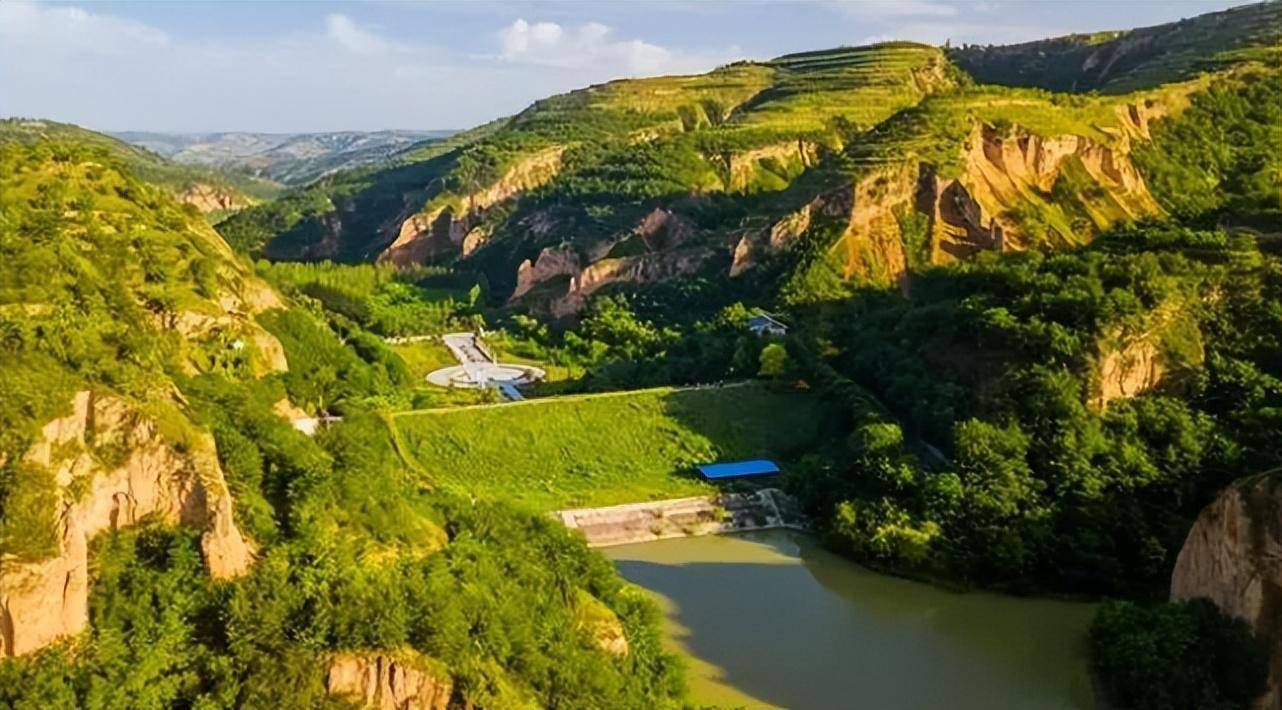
column 1184, row 656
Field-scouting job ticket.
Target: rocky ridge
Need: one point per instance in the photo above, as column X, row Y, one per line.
column 155, row 477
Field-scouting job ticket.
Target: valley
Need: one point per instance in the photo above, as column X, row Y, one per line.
column 368, row 419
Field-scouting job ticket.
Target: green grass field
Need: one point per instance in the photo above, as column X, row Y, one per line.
column 596, row 450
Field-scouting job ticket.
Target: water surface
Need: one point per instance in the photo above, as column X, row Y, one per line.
column 771, row 620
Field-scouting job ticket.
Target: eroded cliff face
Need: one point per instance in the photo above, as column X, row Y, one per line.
column 450, row 227
column 389, row 681
column 44, row 600
column 643, row 269
column 901, row 214
column 560, row 260
column 1233, row 556
column 1129, row 371
column 661, row 233
column 212, row 198
column 742, row 168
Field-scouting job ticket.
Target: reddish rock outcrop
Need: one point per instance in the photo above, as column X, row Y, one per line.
column 44, row 600
column 389, row 681
column 561, row 260
column 443, row 228
column 1002, row 172
column 648, row 268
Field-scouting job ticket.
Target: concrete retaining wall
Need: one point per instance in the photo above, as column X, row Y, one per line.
column 683, row 517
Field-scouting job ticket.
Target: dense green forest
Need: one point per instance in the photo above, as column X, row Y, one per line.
column 354, row 553
column 987, row 446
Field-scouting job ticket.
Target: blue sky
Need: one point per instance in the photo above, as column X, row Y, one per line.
column 320, row 66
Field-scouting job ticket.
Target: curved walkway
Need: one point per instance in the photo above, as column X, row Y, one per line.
column 477, row 368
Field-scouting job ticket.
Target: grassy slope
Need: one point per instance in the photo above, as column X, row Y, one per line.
column 606, row 449
column 143, row 164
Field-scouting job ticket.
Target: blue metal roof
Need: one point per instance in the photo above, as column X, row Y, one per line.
column 755, row 467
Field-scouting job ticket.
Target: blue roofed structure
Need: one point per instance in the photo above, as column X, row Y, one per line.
column 738, row 469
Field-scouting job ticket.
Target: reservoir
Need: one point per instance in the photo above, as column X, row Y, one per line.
column 770, row 619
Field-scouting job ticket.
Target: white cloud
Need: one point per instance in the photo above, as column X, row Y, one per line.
column 111, row 73
column 593, row 45
column 346, row 33
column 71, row 29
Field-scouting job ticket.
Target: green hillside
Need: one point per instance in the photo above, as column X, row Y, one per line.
column 631, row 184
column 147, row 166
column 143, row 365
column 1116, row 62
column 1025, row 324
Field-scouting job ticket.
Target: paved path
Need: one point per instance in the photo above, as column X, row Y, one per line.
column 478, row 368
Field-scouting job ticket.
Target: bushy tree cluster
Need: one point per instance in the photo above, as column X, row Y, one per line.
column 985, row 443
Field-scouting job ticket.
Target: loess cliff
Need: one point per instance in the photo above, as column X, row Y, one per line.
column 113, row 467
column 1233, row 556
column 389, row 681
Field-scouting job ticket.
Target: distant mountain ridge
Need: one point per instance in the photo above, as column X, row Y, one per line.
column 288, row 158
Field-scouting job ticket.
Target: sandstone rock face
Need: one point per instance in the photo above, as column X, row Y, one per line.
column 647, row 268
column 1001, row 172
column 663, row 229
column 551, row 262
column 42, row 601
column 742, row 167
column 1129, row 371
column 209, row 198
column 386, row 681
column 443, row 230
column 1233, row 556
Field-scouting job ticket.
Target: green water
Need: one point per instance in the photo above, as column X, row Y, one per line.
column 771, row 620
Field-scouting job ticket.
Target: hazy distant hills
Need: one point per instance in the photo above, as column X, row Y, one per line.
column 289, row 158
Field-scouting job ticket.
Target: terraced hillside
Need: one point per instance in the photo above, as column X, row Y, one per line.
column 807, row 172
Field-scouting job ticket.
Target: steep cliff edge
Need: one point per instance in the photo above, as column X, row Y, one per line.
column 1001, row 188
column 446, row 225
column 389, row 681
column 1233, row 556
column 112, row 466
